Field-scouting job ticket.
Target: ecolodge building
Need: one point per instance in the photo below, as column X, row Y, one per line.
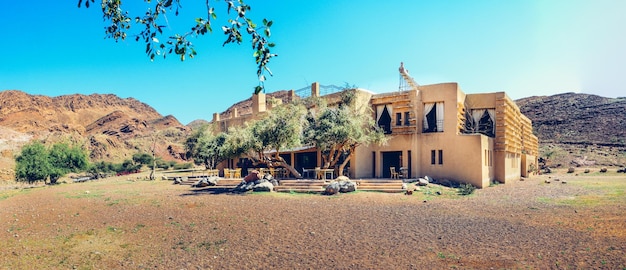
column 433, row 130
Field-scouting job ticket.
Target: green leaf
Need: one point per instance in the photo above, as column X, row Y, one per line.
column 269, row 24
column 271, row 45
column 267, row 32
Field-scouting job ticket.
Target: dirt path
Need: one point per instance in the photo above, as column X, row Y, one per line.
column 134, row 225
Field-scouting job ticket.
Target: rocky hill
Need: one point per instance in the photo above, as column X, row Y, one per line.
column 579, row 128
column 109, row 127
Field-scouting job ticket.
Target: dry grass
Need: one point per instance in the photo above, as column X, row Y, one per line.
column 119, row 224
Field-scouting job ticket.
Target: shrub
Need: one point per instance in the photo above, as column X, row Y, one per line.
column 466, row 189
column 182, row 166
column 36, row 163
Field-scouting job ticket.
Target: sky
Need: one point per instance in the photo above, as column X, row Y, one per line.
column 522, row 47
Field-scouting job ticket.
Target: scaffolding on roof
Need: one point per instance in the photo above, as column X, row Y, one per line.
column 407, row 82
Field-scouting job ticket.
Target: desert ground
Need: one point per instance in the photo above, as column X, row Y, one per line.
column 115, row 223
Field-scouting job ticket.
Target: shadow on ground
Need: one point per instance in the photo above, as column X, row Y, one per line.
column 212, row 191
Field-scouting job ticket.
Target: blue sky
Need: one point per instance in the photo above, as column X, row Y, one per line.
column 524, row 48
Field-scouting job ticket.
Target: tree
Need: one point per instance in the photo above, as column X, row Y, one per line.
column 32, row 163
column 154, row 24
column 36, row 163
column 65, row 159
column 142, row 158
column 262, row 140
column 205, row 147
column 337, row 131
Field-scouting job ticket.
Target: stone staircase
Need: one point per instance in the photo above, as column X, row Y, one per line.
column 302, row 186
column 380, row 185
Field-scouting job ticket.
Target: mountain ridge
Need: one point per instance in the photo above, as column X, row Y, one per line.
column 110, row 128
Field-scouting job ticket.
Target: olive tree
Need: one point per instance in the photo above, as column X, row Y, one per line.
column 263, row 140
column 337, row 131
column 205, row 146
column 153, row 23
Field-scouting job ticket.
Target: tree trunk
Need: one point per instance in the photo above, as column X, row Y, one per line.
column 343, row 164
column 276, row 162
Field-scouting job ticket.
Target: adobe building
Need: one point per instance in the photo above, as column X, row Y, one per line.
column 435, row 130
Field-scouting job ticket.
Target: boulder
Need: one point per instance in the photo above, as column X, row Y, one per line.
column 212, row 180
column 347, row 186
column 587, row 170
column 203, row 182
column 263, row 187
column 404, row 186
column 570, row 170
column 244, row 186
column 268, row 177
column 422, row 182
column 621, row 170
column 429, row 179
column 177, row 181
column 274, row 182
column 342, row 178
column 409, row 180
column 332, row 188
column 603, row 170
column 252, row 176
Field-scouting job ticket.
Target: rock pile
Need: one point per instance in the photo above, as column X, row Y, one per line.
column 252, row 182
column 341, row 184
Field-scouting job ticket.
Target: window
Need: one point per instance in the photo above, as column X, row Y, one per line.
column 488, row 158
column 406, row 118
column 440, row 157
column 398, row 119
column 432, row 157
column 433, row 117
column 483, row 121
column 384, row 118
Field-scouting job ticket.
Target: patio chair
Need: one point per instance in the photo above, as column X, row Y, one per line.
column 227, row 173
column 394, row 174
column 237, row 173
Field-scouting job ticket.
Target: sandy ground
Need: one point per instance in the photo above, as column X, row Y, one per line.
column 120, row 224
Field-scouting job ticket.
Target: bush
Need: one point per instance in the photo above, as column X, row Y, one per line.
column 466, row 189
column 36, row 163
column 182, row 166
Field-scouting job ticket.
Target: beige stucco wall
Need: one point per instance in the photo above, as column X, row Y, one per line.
column 528, row 163
column 404, row 143
column 481, row 101
column 463, row 158
column 507, row 166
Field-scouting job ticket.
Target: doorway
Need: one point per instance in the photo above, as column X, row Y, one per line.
column 391, row 159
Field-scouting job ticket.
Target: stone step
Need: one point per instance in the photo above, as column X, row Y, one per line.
column 379, row 181
column 299, row 190
column 380, row 184
column 302, row 184
column 386, row 190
